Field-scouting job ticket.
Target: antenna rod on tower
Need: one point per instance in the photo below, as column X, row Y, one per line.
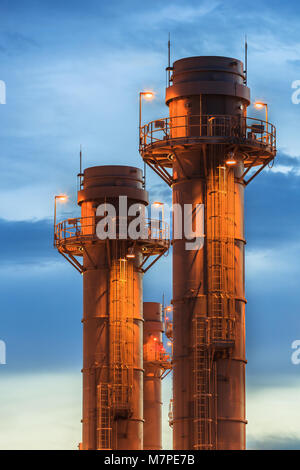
column 80, row 167
column 80, row 174
column 169, row 60
column 246, row 61
column 169, row 68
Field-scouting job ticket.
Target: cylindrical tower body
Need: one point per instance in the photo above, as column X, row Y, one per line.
column 210, row 144
column 112, row 319
column 208, row 286
column 116, row 242
column 153, row 329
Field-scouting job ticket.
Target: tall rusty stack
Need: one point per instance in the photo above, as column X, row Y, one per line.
column 213, row 150
column 153, row 347
column 112, row 305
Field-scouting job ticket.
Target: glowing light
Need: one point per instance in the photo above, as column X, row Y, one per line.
column 259, row 105
column 62, row 197
column 231, row 162
column 169, row 343
column 169, row 308
column 157, row 204
column 148, row 95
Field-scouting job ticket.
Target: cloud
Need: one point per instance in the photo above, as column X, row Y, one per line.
column 296, row 62
column 178, row 13
column 40, row 411
column 13, row 42
column 275, row 442
column 276, row 262
column 271, row 204
column 26, row 242
column 273, row 415
column 41, row 311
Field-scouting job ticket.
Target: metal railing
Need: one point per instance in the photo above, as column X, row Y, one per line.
column 154, row 351
column 206, row 126
column 86, row 227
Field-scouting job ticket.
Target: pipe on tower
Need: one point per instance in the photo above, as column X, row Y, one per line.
column 153, row 329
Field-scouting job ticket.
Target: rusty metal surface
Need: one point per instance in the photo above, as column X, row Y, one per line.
column 153, row 352
column 208, row 125
column 112, row 321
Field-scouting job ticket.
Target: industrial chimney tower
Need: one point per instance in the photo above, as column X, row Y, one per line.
column 112, row 269
column 154, row 368
column 214, row 150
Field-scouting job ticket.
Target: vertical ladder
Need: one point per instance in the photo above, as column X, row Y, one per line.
column 220, row 251
column 121, row 334
column 115, row 398
column 215, row 332
column 203, row 386
column 104, row 429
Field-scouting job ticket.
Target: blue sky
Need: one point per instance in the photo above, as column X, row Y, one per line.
column 73, row 71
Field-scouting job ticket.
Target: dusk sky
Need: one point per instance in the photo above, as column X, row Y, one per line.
column 73, row 71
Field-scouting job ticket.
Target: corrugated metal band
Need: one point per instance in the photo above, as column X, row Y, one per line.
column 203, row 87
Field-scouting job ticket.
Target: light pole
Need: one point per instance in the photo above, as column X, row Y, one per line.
column 261, row 105
column 148, row 95
column 62, row 198
column 161, row 204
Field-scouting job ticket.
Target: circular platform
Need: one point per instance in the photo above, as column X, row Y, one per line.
column 254, row 138
column 72, row 235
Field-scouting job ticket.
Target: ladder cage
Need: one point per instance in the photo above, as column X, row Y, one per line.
column 104, row 428
column 121, row 333
column 115, row 398
column 216, row 331
column 220, row 253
